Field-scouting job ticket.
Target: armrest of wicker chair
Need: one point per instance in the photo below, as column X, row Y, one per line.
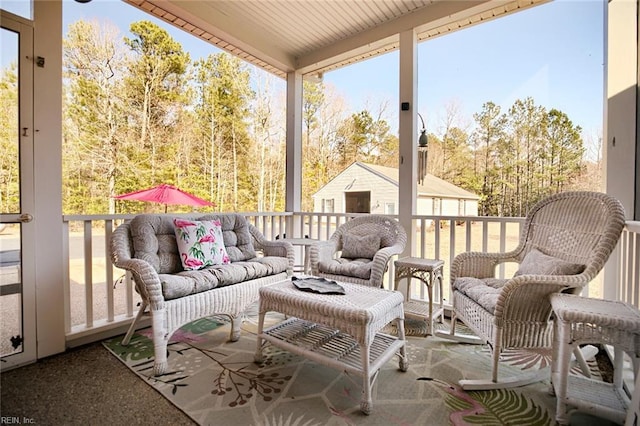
column 321, row 252
column 478, row 264
column 381, row 261
column 280, row 248
column 514, row 300
column 144, row 275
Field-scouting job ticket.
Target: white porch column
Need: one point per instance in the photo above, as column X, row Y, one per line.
column 294, row 142
column 407, row 178
column 621, row 107
column 47, row 113
column 293, row 201
column 621, row 148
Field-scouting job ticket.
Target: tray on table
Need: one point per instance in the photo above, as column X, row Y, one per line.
column 317, row 285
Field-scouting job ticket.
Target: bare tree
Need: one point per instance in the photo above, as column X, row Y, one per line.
column 94, row 61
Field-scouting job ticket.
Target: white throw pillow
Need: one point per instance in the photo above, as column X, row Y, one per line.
column 360, row 247
column 537, row 263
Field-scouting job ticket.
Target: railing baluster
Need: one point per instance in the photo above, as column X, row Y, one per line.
column 421, row 243
column 503, row 244
column 88, row 274
column 624, row 291
column 629, row 265
column 108, row 228
column 634, row 259
column 275, row 227
column 452, row 241
column 66, row 278
column 485, row 235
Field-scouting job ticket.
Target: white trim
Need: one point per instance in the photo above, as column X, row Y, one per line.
column 27, row 302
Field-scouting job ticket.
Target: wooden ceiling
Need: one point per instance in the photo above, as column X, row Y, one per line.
column 315, row 36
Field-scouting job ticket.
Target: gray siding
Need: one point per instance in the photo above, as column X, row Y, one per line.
column 357, row 179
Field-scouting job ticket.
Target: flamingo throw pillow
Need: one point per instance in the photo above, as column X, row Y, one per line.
column 200, row 243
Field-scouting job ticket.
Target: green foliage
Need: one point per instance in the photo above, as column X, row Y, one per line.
column 138, row 112
column 222, row 97
column 523, row 156
column 9, row 140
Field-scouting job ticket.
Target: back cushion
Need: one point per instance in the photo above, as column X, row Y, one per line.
column 154, row 239
column 237, row 238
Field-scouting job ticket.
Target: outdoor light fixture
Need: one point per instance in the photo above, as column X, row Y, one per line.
column 423, row 143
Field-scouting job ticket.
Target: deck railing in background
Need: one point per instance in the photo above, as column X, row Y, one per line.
column 101, row 300
column 628, row 286
column 97, row 299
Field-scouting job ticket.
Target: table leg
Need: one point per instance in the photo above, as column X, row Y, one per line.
column 259, row 341
column 430, row 294
column 560, row 371
column 366, row 404
column 403, row 363
column 438, row 277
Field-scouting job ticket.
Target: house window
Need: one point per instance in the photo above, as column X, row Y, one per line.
column 327, row 205
column 389, row 208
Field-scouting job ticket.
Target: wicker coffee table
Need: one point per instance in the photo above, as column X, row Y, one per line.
column 339, row 331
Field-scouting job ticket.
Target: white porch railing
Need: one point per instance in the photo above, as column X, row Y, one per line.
column 100, row 299
column 628, row 288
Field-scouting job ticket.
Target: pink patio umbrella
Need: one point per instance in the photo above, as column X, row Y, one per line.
column 165, row 194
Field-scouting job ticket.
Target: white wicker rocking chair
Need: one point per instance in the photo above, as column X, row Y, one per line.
column 570, row 230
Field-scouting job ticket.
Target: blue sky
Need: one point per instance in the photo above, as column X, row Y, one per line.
column 552, row 52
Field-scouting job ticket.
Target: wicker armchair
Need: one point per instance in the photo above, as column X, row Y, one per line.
column 359, row 250
column 565, row 241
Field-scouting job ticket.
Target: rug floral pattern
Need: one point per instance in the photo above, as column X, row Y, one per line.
column 216, row 382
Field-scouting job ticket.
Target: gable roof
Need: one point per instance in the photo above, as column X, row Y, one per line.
column 431, row 187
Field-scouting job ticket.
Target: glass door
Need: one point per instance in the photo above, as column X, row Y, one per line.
column 17, row 233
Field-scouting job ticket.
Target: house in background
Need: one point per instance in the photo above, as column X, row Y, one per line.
column 369, row 188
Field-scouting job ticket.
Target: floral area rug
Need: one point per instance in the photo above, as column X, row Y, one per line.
column 216, row 382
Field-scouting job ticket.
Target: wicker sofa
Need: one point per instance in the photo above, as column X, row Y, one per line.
column 147, row 247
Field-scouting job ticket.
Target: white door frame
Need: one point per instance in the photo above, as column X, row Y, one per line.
column 28, row 352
